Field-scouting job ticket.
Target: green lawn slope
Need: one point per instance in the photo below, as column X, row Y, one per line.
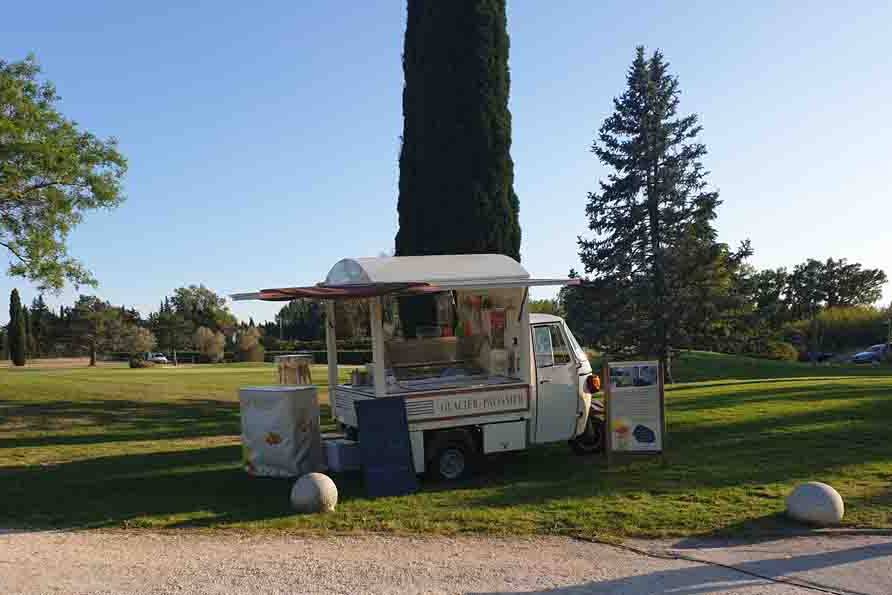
column 158, row 448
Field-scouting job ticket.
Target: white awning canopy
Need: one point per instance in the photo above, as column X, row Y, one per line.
column 365, row 277
column 436, row 270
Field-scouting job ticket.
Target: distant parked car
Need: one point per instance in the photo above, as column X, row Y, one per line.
column 156, row 358
column 874, row 354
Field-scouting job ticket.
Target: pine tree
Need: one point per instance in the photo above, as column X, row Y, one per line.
column 653, row 201
column 17, row 338
column 456, row 186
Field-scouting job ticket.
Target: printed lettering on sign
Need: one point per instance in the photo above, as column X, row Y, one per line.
column 482, row 402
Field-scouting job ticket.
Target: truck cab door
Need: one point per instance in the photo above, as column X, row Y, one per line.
column 557, row 385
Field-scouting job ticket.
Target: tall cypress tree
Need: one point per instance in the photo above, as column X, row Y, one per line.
column 17, row 338
column 456, row 186
column 652, row 209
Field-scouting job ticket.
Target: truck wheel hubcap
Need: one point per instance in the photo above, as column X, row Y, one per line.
column 452, row 463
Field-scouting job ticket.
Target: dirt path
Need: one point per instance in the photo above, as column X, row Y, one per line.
column 187, row 563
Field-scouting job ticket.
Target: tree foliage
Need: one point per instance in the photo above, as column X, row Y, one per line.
column 300, row 319
column 456, row 185
column 136, row 339
column 96, row 325
column 546, row 306
column 814, row 285
column 41, row 327
column 250, row 349
column 51, row 174
column 200, row 306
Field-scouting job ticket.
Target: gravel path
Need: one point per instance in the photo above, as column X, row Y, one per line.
column 187, row 563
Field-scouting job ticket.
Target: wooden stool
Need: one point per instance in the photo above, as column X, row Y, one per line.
column 294, row 369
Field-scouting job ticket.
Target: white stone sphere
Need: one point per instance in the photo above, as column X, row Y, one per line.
column 815, row 502
column 314, row 492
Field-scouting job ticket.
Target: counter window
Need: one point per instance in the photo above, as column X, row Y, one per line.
column 453, row 338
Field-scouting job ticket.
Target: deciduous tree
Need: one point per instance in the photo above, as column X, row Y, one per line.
column 51, row 174
column 249, row 345
column 96, row 325
column 209, row 344
column 202, row 307
column 136, row 339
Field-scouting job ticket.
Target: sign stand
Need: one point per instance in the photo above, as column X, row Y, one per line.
column 635, row 408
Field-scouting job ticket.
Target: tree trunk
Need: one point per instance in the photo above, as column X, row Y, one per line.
column 667, row 369
column 659, row 279
column 92, row 353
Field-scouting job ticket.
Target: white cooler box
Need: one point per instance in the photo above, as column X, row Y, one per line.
column 280, row 430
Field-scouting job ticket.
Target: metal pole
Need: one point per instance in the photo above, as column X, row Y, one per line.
column 331, row 349
column 378, row 348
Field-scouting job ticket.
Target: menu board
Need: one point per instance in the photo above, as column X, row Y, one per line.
column 635, row 411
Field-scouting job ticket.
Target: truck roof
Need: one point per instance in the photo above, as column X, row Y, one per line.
column 408, row 275
column 543, row 318
column 435, row 269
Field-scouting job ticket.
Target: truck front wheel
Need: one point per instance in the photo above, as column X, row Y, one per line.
column 591, row 440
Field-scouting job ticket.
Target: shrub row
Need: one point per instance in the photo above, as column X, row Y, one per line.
column 842, row 328
column 348, row 357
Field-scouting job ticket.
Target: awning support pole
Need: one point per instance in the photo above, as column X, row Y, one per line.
column 378, row 347
column 331, row 348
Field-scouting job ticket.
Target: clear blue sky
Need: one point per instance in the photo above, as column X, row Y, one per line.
column 263, row 136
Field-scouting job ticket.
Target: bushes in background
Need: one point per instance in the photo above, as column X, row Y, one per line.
column 249, row 347
column 210, row 345
column 781, row 351
column 841, row 329
column 138, row 362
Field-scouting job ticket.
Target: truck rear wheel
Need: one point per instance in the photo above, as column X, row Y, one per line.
column 453, row 456
column 591, row 440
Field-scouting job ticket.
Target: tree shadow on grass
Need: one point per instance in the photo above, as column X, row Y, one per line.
column 752, row 457
column 205, row 484
column 200, row 485
column 731, row 397
column 118, row 420
column 732, row 383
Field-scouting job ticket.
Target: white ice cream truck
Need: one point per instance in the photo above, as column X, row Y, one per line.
column 479, row 373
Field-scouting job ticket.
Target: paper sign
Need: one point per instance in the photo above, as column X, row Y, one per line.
column 635, row 414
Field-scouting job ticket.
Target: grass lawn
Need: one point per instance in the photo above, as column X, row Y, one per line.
column 159, row 448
